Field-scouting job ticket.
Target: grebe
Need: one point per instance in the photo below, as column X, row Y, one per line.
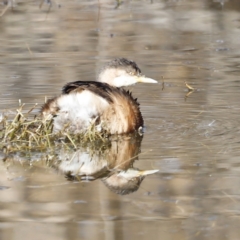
column 102, row 103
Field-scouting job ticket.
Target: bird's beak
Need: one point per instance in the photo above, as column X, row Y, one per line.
column 126, row 80
column 144, row 79
column 148, row 172
column 130, row 173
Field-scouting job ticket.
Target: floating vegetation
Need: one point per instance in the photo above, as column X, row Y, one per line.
column 190, row 90
column 26, row 132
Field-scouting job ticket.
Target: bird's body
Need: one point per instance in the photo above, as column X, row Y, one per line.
column 109, row 107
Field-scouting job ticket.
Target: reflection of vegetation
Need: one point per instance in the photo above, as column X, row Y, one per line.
column 119, row 3
column 49, row 2
column 112, row 163
column 8, row 4
column 26, row 133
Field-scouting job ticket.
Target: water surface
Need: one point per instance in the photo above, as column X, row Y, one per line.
column 193, row 139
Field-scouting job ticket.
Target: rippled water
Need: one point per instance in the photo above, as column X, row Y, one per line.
column 191, row 138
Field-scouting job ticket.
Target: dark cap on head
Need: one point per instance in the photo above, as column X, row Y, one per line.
column 123, row 63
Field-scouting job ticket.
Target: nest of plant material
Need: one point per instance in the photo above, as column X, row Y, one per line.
column 26, row 132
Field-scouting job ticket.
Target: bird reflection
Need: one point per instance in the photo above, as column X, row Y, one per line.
column 112, row 164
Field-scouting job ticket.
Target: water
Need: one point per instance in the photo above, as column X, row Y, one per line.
column 193, row 139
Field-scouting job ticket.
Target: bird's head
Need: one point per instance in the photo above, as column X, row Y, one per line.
column 122, row 72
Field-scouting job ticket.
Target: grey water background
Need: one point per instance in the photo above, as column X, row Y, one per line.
column 193, row 139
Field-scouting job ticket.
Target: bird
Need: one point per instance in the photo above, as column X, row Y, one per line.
column 103, row 103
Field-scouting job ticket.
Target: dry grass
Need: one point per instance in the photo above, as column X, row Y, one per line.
column 26, row 132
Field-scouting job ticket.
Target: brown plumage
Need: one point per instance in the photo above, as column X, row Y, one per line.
column 109, row 107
